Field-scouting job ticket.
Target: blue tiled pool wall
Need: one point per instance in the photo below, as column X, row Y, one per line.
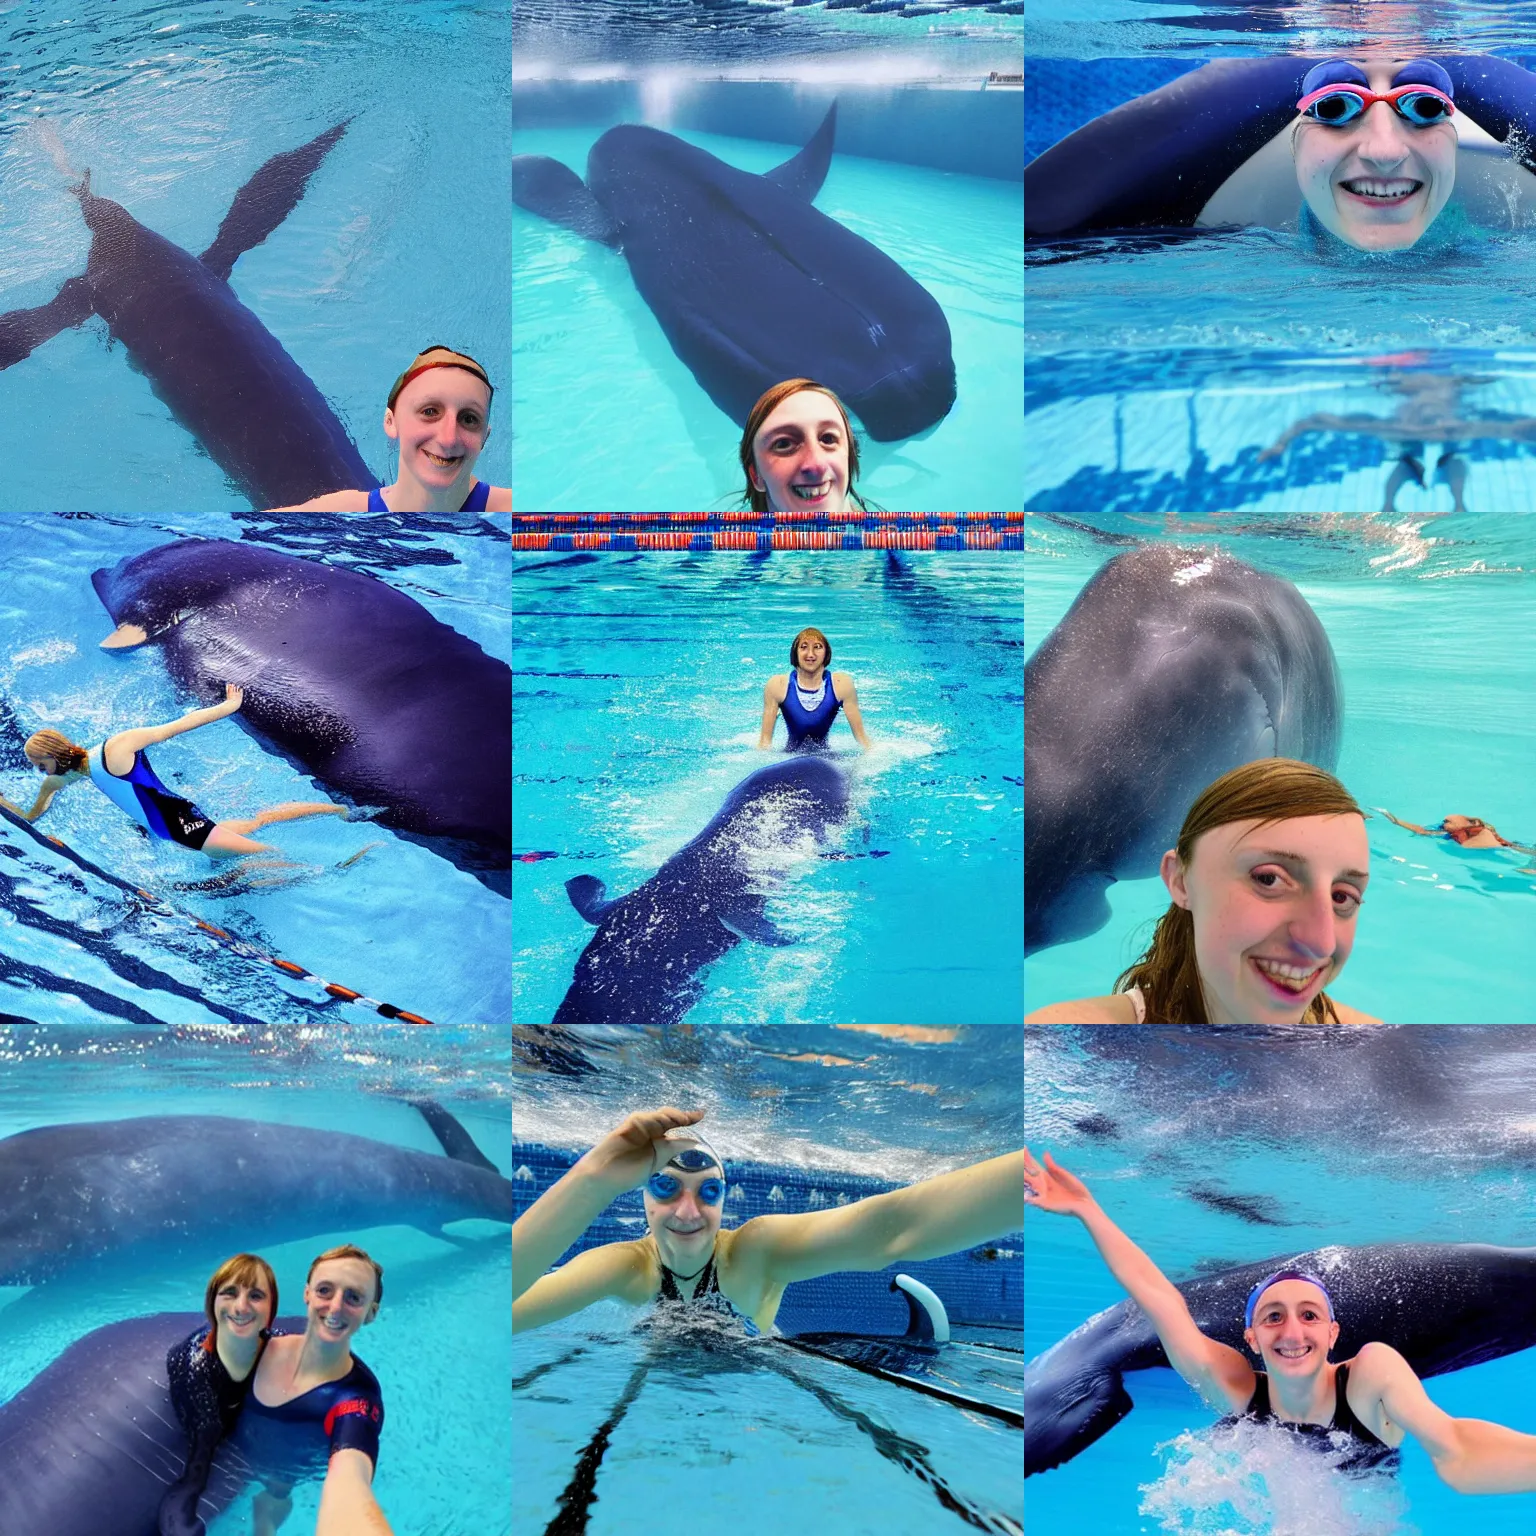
column 982, row 1287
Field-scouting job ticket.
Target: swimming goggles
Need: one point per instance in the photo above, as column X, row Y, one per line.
column 1284, row 1274
column 1337, row 93
column 665, row 1187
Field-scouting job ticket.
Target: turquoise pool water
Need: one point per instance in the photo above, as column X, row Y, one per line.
column 1313, row 1138
column 638, row 688
column 399, row 241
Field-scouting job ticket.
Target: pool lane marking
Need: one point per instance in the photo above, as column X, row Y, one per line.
column 226, row 940
column 581, row 1492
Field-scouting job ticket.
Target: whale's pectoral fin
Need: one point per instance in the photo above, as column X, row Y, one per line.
column 21, row 330
column 1060, row 1423
column 555, row 192
column 586, row 893
column 756, row 927
column 266, row 200
column 803, row 175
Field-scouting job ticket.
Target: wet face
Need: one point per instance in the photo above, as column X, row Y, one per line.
column 339, row 1299
column 1291, row 1330
column 800, row 455
column 684, row 1226
column 1376, row 182
column 441, row 421
column 242, row 1311
column 1274, row 910
column 811, row 653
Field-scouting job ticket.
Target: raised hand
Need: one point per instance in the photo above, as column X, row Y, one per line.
column 1052, row 1188
column 233, row 696
column 623, row 1157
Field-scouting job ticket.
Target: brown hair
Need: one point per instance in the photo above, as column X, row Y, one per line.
column 352, row 1251
column 794, row 645
column 768, row 402
column 243, row 1269
column 58, row 746
column 1269, row 790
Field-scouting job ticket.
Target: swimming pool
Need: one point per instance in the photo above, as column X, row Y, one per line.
column 1425, row 624
column 756, row 1437
column 1213, row 1148
column 638, row 694
column 926, row 167
column 95, row 964
column 438, row 1347
column 171, row 111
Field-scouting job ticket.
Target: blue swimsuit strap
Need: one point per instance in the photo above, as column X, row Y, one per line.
column 479, row 494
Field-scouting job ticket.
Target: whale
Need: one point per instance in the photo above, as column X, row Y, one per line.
column 351, row 681
column 1443, row 1306
column 642, row 964
column 83, row 1200
column 750, row 282
column 1173, row 665
column 217, row 368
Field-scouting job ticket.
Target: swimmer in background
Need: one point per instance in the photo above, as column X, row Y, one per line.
column 439, row 413
column 809, row 697
column 210, row 1373
column 120, row 769
column 1266, row 883
column 1464, row 831
column 1365, row 1407
column 799, row 452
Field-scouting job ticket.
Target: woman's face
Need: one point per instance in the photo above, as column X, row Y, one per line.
column 684, row 1226
column 800, row 455
column 1376, row 182
column 1274, row 907
column 242, row 1311
column 339, row 1298
column 1291, row 1329
column 441, row 422
column 810, row 653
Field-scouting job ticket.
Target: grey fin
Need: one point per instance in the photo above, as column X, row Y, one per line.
column 266, row 200
column 23, row 329
column 453, row 1138
column 803, row 175
column 756, row 927
column 586, row 893
column 555, row 192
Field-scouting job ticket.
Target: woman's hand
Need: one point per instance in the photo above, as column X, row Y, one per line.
column 1052, row 1188
column 233, row 696
column 622, row 1159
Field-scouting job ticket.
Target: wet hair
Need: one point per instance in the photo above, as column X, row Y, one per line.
column 58, row 746
column 768, row 402
column 244, row 1269
column 352, row 1251
column 816, row 634
column 439, row 356
column 1269, row 790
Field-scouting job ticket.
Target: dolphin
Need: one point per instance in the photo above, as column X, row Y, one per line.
column 1172, row 666
column 1443, row 1306
column 640, row 965
column 222, row 374
column 752, row 285
column 85, row 1198
column 354, row 683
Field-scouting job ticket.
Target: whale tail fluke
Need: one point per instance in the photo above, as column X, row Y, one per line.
column 803, row 175
column 1066, row 1411
column 21, row 330
column 266, row 200
column 555, row 192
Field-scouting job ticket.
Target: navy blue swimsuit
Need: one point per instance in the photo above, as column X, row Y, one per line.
column 207, row 1400
column 1364, row 1452
column 809, row 727
column 707, row 1298
column 157, row 809
column 479, row 493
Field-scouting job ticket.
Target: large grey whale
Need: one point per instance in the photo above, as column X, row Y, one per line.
column 1172, row 666
column 223, row 375
column 751, row 283
column 1443, row 1306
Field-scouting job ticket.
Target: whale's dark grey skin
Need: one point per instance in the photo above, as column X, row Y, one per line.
column 1443, row 1306
column 77, row 1198
column 223, row 375
column 641, row 965
column 751, row 283
column 350, row 680
column 1173, row 666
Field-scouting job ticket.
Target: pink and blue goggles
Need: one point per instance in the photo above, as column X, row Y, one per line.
column 1337, row 93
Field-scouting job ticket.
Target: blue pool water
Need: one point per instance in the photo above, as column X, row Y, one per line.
column 1434, row 721
column 439, row 1346
column 85, row 959
column 399, row 241
column 761, row 1439
column 1389, row 1136
column 638, row 687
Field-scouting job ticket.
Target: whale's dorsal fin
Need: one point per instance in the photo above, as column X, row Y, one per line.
column 586, row 893
column 266, row 200
column 451, row 1136
column 555, row 192
column 803, row 175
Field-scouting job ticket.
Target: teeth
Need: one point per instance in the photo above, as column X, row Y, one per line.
column 1293, row 1354
column 1291, row 977
column 1382, row 189
column 445, row 463
column 812, row 492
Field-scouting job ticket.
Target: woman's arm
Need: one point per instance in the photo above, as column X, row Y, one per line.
column 1217, row 1372
column 347, row 1503
column 851, row 709
column 614, row 1270
column 1407, row 826
column 770, row 709
column 147, row 736
column 51, row 786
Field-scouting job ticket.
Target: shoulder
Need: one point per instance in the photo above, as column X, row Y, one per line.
column 1376, row 1363
column 1113, row 1009
column 842, row 683
column 499, row 499
column 339, row 501
column 639, row 1269
column 1348, row 1015
column 776, row 686
column 361, row 1379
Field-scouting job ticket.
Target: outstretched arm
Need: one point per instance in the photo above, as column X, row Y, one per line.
column 1216, row 1371
column 50, row 787
column 855, row 719
column 347, row 1503
column 147, row 736
column 1407, row 826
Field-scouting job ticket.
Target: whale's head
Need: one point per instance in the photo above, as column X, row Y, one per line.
column 150, row 592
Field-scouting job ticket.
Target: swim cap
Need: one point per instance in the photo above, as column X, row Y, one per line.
column 437, row 356
column 688, row 1157
column 1284, row 1274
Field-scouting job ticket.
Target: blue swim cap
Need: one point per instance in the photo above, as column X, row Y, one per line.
column 1343, row 72
column 1284, row 1274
